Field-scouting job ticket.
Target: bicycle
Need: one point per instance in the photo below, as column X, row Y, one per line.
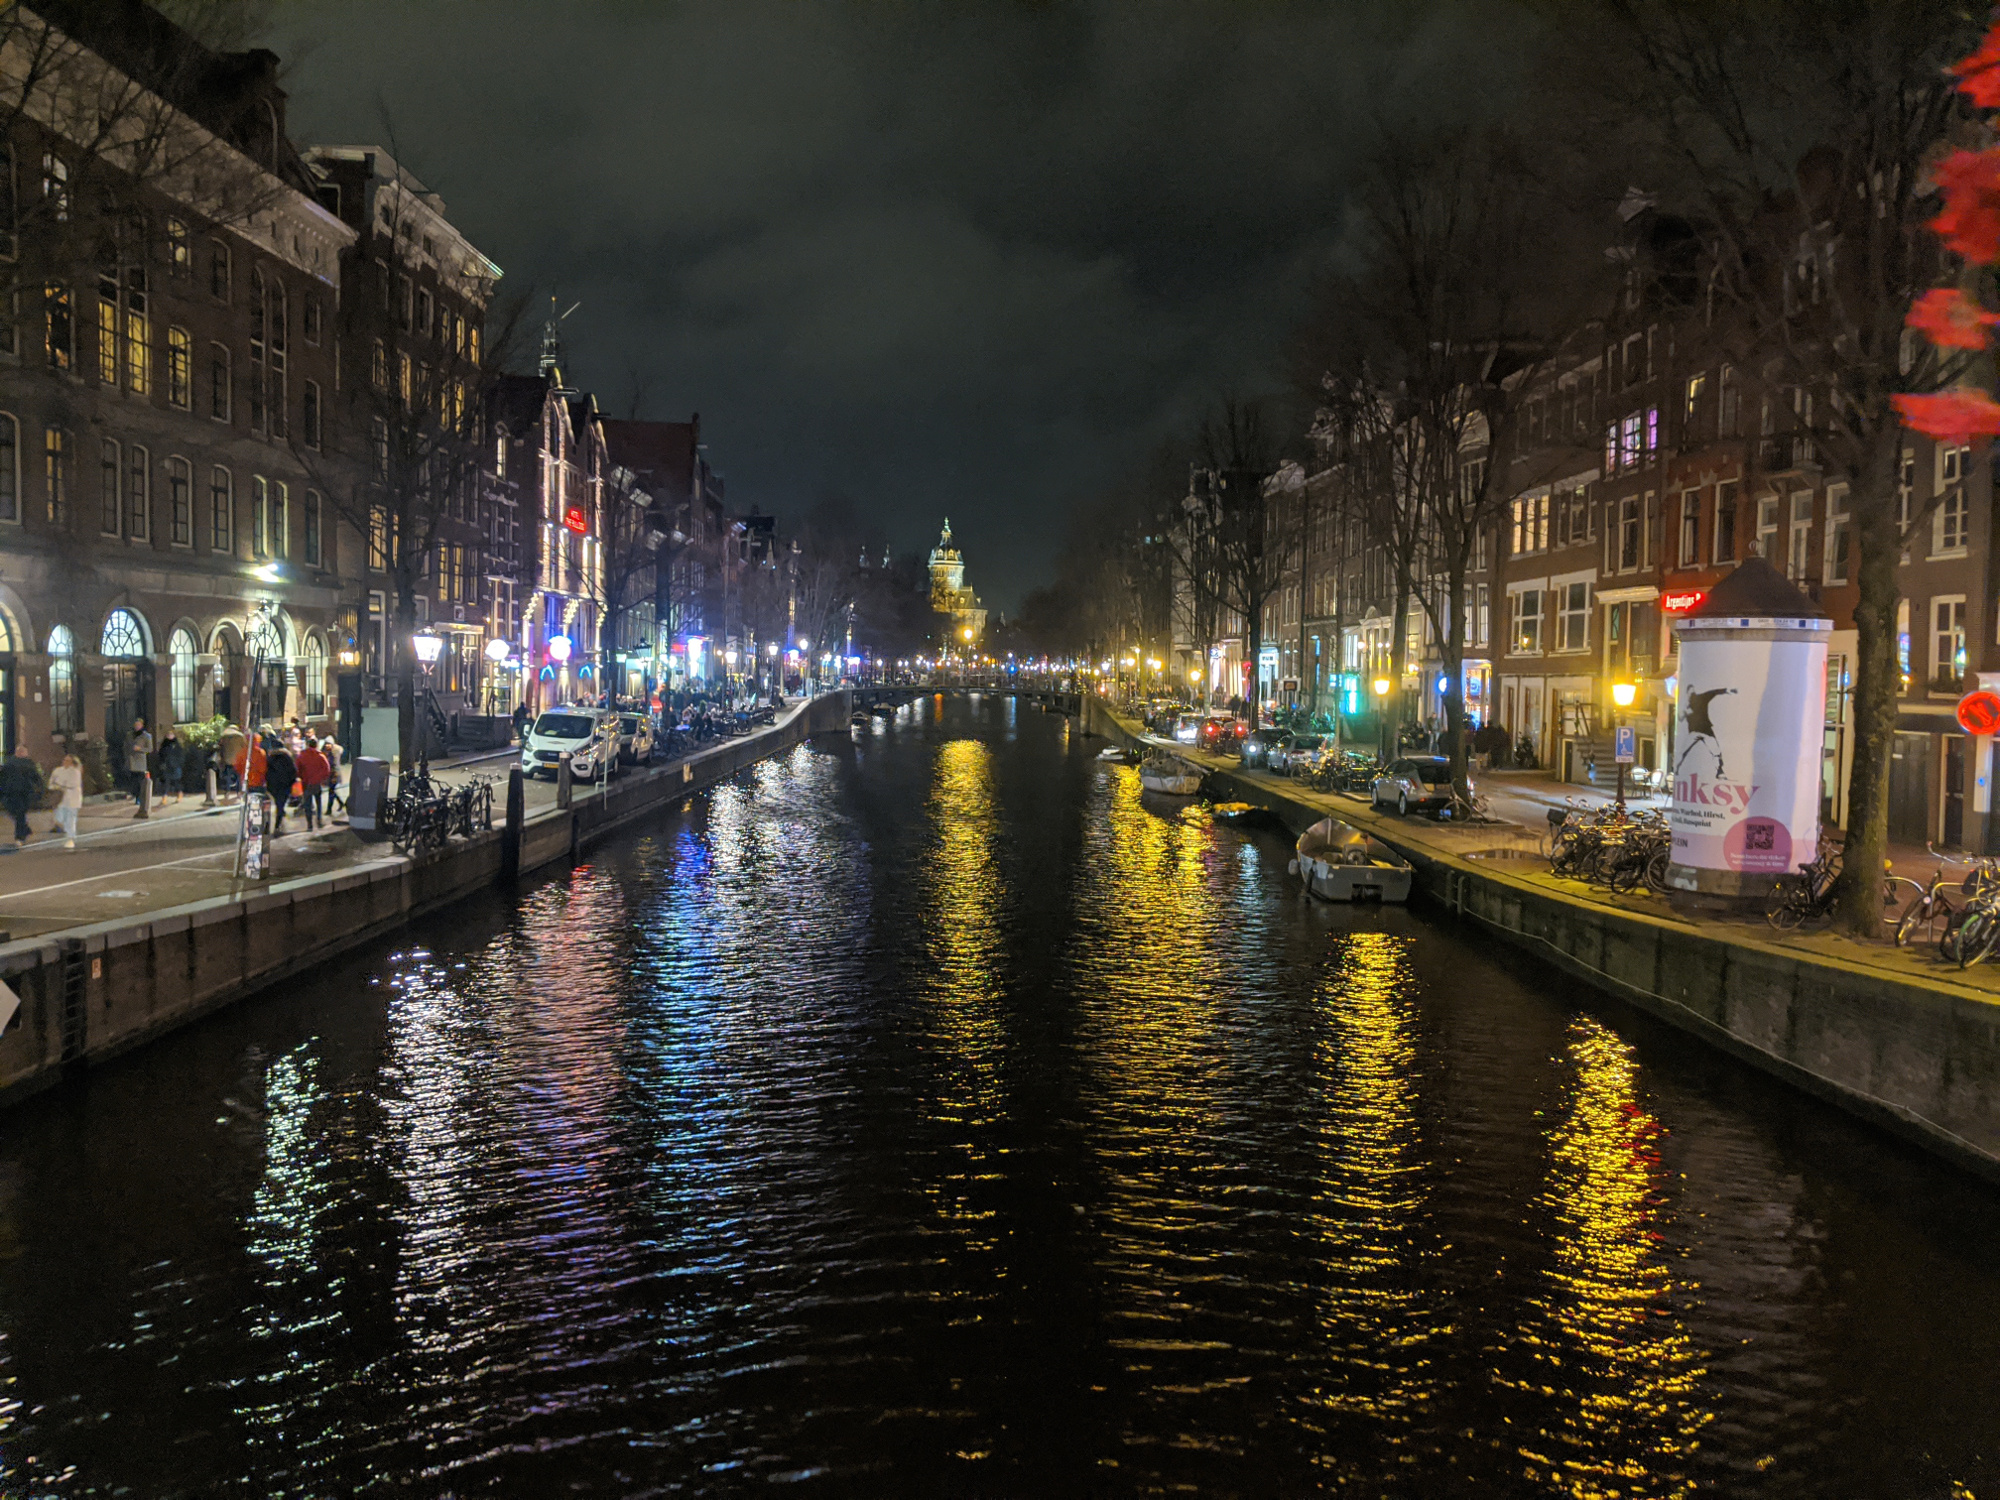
column 1807, row 895
column 1933, row 911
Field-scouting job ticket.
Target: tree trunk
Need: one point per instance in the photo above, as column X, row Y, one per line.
column 1877, row 685
column 402, row 659
column 1253, row 646
column 1451, row 651
column 1399, row 644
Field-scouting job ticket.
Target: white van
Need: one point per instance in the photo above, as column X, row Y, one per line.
column 588, row 736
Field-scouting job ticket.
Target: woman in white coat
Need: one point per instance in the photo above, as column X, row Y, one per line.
column 67, row 778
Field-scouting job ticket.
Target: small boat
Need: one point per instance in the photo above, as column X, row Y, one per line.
column 884, row 710
column 1241, row 814
column 858, row 717
column 1115, row 755
column 1339, row 862
column 1169, row 774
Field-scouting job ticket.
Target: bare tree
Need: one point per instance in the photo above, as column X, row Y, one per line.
column 1797, row 136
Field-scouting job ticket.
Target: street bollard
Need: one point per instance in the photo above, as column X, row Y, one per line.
column 517, row 816
column 563, row 782
column 212, row 800
column 145, row 795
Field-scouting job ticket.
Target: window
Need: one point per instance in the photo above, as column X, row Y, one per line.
column 65, row 707
column 180, row 501
column 1839, row 534
column 180, row 362
column 1906, row 486
column 309, row 414
column 182, row 648
column 378, row 538
column 379, row 366
column 1950, row 524
column 1697, row 387
column 123, row 635
column 312, row 676
column 1798, row 553
column 218, row 270
column 55, row 185
column 1531, row 524
column 1766, row 542
column 281, row 519
column 1729, row 404
column 218, row 382
column 472, row 343
column 138, row 494
column 138, row 342
column 112, row 501
column 180, row 261
column 1628, row 534
column 10, row 469
column 57, row 334
column 1948, row 641
column 1689, row 555
column 423, row 310
column 260, row 500
column 107, row 339
column 310, row 528
column 500, row 453
column 309, row 318
column 1527, row 621
column 221, row 511
column 257, row 349
column 272, row 380
column 55, row 473
column 404, row 385
column 1573, row 619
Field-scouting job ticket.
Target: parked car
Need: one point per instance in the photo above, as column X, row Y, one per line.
column 1295, row 750
column 635, row 738
column 1420, row 783
column 589, row 736
column 1256, row 746
column 1187, row 729
column 1222, row 733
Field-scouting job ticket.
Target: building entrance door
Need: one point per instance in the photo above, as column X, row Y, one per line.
column 1909, row 788
column 126, row 685
column 1953, row 822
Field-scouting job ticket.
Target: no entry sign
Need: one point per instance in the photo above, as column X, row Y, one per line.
column 1979, row 712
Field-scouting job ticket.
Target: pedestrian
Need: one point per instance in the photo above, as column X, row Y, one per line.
column 20, row 789
column 138, row 762
column 67, row 778
column 520, row 719
column 313, row 773
column 281, row 773
column 335, row 755
column 229, row 753
column 250, row 766
column 173, row 761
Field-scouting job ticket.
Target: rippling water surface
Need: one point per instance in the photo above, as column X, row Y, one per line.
column 929, row 1113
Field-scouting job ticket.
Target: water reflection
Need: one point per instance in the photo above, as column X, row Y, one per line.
column 1376, row 1315
column 1610, row 1354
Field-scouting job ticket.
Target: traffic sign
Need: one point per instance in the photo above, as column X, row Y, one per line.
column 1624, row 744
column 1979, row 712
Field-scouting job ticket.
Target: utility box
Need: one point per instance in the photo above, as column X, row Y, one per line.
column 367, row 795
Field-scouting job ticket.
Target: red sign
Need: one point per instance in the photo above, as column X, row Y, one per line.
column 575, row 520
column 1680, row 604
column 1979, row 712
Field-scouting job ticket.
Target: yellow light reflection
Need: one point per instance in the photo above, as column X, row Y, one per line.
column 1609, row 1345
column 1374, row 1321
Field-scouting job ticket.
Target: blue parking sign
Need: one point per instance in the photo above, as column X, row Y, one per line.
column 1624, row 742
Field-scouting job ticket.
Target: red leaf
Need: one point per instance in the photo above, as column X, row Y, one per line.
column 1957, row 416
column 1970, row 223
column 1951, row 320
column 1979, row 75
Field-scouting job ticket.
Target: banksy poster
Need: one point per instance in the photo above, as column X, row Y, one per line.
column 1749, row 720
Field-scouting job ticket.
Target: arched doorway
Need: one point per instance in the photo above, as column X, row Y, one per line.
column 229, row 668
column 269, row 674
column 128, row 678
column 65, row 702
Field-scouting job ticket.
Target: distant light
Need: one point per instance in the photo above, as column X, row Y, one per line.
column 428, row 647
column 1381, row 687
column 1622, row 693
column 498, row 649
column 560, row 647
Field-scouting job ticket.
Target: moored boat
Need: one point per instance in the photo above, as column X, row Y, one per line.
column 1241, row 814
column 1169, row 775
column 1339, row 862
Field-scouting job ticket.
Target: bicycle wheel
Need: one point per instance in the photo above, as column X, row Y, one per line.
column 1915, row 915
column 1656, row 871
column 1977, row 936
column 1947, row 942
column 1788, row 906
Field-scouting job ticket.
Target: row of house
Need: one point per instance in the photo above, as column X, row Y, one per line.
column 1646, row 474
column 222, row 347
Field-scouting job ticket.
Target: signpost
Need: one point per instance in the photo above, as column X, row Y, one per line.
column 1624, row 742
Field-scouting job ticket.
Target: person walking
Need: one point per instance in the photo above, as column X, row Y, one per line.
column 281, row 773
column 20, row 789
column 313, row 771
column 229, row 755
column 67, row 779
column 335, row 755
column 139, row 763
column 173, row 762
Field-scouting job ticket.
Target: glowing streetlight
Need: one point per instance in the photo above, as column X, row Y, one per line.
column 498, row 649
column 1622, row 693
column 428, row 648
column 1381, row 687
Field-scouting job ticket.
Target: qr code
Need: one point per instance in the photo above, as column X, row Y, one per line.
column 1759, row 835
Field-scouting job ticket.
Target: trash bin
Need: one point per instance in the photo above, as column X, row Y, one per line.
column 367, row 793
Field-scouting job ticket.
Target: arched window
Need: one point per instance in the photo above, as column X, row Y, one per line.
column 267, row 640
column 312, row 676
column 65, row 704
column 182, row 648
column 123, row 635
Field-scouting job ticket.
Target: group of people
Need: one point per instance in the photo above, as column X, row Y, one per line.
column 292, row 766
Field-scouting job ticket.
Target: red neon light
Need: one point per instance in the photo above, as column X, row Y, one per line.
column 1680, row 604
column 575, row 520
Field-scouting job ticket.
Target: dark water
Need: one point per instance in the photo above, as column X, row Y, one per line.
column 926, row 1115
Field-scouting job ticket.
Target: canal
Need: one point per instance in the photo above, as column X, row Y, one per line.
column 927, row 1113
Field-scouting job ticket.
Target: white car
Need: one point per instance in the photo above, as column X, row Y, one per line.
column 635, row 738
column 588, row 736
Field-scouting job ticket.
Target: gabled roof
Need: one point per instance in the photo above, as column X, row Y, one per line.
column 1754, row 590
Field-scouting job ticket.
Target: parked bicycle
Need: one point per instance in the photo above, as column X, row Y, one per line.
column 1930, row 914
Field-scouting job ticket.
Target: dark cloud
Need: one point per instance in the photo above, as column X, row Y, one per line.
column 969, row 259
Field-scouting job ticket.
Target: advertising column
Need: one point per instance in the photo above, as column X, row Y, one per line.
column 1750, row 715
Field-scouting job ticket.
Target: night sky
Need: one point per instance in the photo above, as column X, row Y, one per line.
column 967, row 259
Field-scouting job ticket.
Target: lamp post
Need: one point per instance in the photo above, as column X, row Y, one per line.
column 497, row 651
column 428, row 647
column 1622, row 694
column 1381, row 686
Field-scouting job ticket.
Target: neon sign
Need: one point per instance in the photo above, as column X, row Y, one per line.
column 575, row 520
column 1681, row 603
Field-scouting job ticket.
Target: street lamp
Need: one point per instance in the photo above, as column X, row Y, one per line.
column 497, row 651
column 1622, row 694
column 428, row 648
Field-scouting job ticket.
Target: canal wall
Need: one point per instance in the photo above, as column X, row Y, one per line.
column 90, row 993
column 1918, row 1056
